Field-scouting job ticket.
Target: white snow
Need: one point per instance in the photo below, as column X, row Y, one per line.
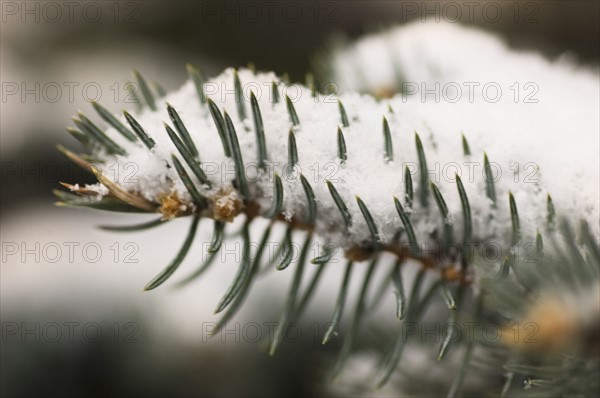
column 547, row 114
column 558, row 135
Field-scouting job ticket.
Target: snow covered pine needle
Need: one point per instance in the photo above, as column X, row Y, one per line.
column 381, row 179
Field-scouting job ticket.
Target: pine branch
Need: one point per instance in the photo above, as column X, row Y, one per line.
column 323, row 206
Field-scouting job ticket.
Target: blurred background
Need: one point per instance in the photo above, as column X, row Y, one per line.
column 74, row 319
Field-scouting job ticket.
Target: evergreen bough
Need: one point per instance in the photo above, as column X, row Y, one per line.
column 560, row 266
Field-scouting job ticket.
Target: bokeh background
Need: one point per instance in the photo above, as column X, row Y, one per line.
column 57, row 56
